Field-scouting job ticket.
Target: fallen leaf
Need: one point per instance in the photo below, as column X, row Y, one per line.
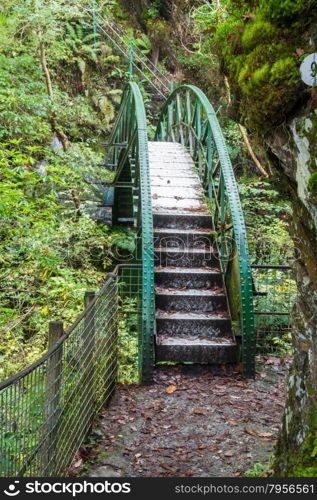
column 199, row 412
column 250, row 432
column 171, row 388
column 138, row 455
column 229, row 453
column 232, row 422
column 265, row 434
column 189, row 472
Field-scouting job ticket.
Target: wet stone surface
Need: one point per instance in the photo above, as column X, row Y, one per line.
column 194, row 421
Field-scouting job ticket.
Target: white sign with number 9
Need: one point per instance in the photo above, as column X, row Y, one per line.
column 308, row 70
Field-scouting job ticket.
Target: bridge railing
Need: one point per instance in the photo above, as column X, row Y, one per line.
column 188, row 117
column 275, row 294
column 47, row 409
column 128, row 155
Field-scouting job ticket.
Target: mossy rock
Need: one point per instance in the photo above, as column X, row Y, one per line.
column 257, row 33
column 282, row 10
column 259, row 56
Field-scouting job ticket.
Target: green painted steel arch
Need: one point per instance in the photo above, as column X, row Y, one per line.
column 194, row 123
column 130, row 135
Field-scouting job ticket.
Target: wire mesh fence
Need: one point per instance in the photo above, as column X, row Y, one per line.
column 275, row 293
column 47, row 409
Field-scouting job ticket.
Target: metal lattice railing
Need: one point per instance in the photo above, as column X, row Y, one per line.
column 275, row 293
column 47, row 409
column 128, row 153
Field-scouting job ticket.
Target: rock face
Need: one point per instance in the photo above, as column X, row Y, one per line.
column 293, row 150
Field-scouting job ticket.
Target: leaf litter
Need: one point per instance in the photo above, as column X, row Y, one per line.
column 194, row 421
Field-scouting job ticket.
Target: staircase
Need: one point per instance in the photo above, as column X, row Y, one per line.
column 193, row 323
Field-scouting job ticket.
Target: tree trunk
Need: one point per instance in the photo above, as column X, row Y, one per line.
column 49, row 87
column 46, row 71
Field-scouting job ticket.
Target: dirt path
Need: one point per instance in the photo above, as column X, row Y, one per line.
column 194, row 421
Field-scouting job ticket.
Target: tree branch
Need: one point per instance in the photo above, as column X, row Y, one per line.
column 252, row 154
column 244, row 133
column 18, row 321
column 60, row 133
column 46, row 71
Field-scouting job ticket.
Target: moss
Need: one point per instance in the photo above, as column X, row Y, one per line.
column 305, row 472
column 259, row 55
column 285, row 70
column 257, row 33
column 257, row 79
column 312, row 184
column 293, row 459
column 228, row 38
column 282, row 10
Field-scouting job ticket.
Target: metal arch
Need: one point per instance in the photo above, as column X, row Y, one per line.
column 189, row 118
column 129, row 145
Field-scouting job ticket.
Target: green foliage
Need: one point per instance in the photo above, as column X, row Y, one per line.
column 260, row 469
column 144, row 43
column 257, row 33
column 24, row 103
column 266, row 214
column 128, row 343
column 283, row 10
column 49, row 254
column 232, row 136
column 312, row 184
column 153, row 11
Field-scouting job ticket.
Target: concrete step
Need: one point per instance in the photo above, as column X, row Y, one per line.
column 175, row 182
column 183, row 277
column 186, row 324
column 182, row 220
column 168, row 191
column 183, row 237
column 186, row 257
column 215, row 351
column 160, row 203
column 190, row 300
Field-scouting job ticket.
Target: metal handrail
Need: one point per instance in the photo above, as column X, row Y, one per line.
column 140, row 62
column 131, row 128
column 189, row 118
column 147, row 61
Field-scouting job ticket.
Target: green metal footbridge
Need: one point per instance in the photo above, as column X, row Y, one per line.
column 180, row 193
column 178, row 190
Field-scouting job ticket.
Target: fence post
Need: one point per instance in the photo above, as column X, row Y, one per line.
column 113, row 359
column 52, row 396
column 88, row 353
